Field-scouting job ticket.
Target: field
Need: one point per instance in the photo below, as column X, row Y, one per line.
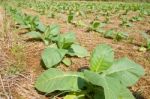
column 74, row 49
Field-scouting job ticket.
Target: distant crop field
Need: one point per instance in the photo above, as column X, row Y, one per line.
column 112, row 0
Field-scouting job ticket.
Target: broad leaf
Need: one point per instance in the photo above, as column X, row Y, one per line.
column 112, row 87
column 109, row 34
column 66, row 61
column 95, row 24
column 66, row 40
column 70, row 97
column 34, row 34
column 125, row 94
column 127, row 71
column 52, row 56
column 98, row 92
column 79, row 50
column 75, row 95
column 54, row 79
column 70, row 17
column 102, row 58
column 51, row 31
column 41, row 27
column 55, row 29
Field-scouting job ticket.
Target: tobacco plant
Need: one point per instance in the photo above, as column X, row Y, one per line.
column 29, row 22
column 47, row 34
column 96, row 26
column 136, row 18
column 70, row 17
column 126, row 22
column 147, row 38
column 106, row 78
column 64, row 45
column 117, row 36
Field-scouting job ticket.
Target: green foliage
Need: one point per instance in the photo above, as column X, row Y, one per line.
column 48, row 34
column 66, row 40
column 54, row 79
column 52, row 56
column 136, row 18
column 74, row 96
column 117, row 36
column 64, row 45
column 28, row 22
column 70, row 18
column 51, row 15
column 96, row 26
column 126, row 22
column 106, row 79
column 147, row 38
column 66, row 61
column 101, row 61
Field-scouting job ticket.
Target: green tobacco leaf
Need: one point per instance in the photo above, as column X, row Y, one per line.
column 127, row 71
column 79, row 50
column 41, row 27
column 19, row 19
column 95, row 24
column 66, row 40
column 109, row 34
column 112, row 87
column 70, row 18
column 51, row 31
column 98, row 92
column 70, row 97
column 52, row 56
column 54, row 79
column 34, row 34
column 102, row 58
column 75, row 96
column 125, row 94
column 55, row 29
column 66, row 61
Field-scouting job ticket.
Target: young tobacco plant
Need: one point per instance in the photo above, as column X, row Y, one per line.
column 106, row 78
column 32, row 23
column 126, row 22
column 29, row 22
column 147, row 38
column 136, row 18
column 47, row 34
column 117, row 36
column 70, row 17
column 96, row 26
column 64, row 46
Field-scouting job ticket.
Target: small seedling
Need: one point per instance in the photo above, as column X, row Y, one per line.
column 96, row 26
column 126, row 22
column 48, row 34
column 70, row 18
column 136, row 18
column 147, row 38
column 117, row 36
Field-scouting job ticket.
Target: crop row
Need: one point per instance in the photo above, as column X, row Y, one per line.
column 105, row 78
